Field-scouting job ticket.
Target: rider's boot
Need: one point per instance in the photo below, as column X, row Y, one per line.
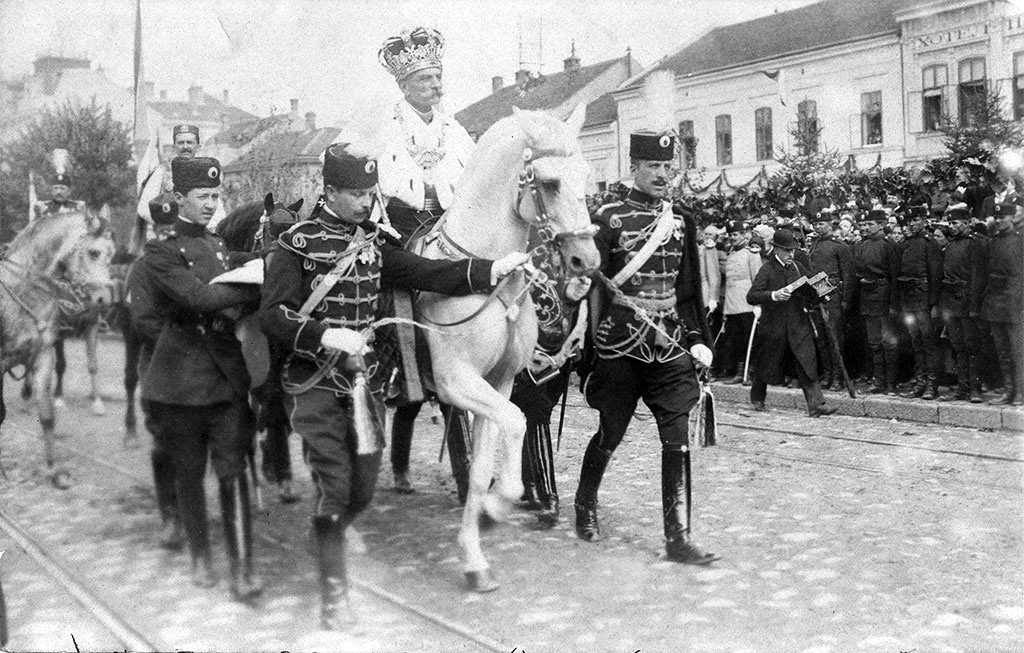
column 237, row 517
column 595, row 461
column 335, row 610
column 675, row 502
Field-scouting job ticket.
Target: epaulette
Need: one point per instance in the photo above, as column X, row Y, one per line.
column 167, row 233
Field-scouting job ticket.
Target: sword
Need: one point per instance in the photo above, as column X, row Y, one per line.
column 561, row 415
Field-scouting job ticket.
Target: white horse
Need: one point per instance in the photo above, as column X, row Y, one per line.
column 527, row 172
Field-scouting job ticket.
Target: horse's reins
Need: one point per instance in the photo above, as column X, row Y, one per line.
column 48, row 285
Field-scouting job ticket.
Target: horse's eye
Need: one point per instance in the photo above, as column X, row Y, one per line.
column 551, row 185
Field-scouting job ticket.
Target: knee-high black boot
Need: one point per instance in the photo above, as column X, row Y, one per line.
column 892, row 359
column 457, row 432
column 595, row 461
column 877, row 372
column 530, row 499
column 192, row 509
column 171, row 536
column 401, row 444
column 335, row 611
column 237, row 516
column 675, row 503
column 542, row 463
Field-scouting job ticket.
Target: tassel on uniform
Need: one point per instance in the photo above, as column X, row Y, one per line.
column 369, row 433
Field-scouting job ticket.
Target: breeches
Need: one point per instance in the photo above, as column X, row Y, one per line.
column 669, row 389
column 538, row 401
column 923, row 335
column 344, row 481
column 962, row 332
column 733, row 344
column 223, row 430
column 881, row 332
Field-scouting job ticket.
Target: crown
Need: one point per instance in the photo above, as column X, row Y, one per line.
column 412, row 50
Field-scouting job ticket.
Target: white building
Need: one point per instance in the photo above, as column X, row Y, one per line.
column 875, row 76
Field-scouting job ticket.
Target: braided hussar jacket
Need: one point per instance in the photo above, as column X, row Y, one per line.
column 371, row 259
column 658, row 311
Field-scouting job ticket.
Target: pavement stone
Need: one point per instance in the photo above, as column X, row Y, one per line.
column 975, row 415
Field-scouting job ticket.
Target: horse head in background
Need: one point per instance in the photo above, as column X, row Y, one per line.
column 255, row 226
column 57, row 265
column 527, row 173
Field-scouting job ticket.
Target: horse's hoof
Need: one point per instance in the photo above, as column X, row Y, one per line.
column 481, row 581
column 60, row 479
column 98, row 408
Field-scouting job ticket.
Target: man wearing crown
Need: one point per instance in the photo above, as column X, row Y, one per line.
column 424, row 154
column 650, row 338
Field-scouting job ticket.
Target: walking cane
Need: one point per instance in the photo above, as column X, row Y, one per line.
column 750, row 346
column 837, row 356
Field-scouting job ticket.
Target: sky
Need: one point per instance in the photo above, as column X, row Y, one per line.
column 324, row 52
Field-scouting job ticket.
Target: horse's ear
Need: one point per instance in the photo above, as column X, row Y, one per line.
column 294, row 208
column 105, row 212
column 268, row 203
column 574, row 122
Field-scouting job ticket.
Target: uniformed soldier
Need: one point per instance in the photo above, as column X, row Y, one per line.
column 876, row 260
column 962, row 280
column 1002, row 300
column 832, row 256
column 320, row 297
column 147, row 324
column 919, row 278
column 425, row 152
column 60, row 188
column 197, row 381
column 650, row 339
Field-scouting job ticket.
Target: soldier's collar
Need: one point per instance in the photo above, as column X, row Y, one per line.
column 333, row 221
column 185, row 228
column 643, row 199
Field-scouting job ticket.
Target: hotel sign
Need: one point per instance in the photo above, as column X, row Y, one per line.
column 949, row 37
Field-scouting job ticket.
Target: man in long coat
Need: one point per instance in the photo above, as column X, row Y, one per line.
column 784, row 341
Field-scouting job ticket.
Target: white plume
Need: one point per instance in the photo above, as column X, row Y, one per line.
column 659, row 93
column 60, row 158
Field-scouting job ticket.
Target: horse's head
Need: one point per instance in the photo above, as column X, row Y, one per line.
column 87, row 263
column 551, row 188
column 276, row 219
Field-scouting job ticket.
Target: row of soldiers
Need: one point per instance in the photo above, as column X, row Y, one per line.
column 899, row 276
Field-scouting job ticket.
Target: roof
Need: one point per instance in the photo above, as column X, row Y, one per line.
column 545, row 92
column 287, row 148
column 601, row 111
column 242, row 133
column 209, row 110
column 814, row 26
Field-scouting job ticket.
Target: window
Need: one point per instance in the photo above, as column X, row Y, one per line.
column 871, row 118
column 807, row 126
column 763, row 133
column 972, row 90
column 933, row 83
column 687, row 145
column 723, row 139
column 1018, row 85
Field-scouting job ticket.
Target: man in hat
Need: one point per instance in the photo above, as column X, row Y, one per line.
column 833, row 257
column 741, row 266
column 424, row 153
column 962, row 265
column 651, row 338
column 1002, row 300
column 60, row 190
column 920, row 276
column 197, row 383
column 784, row 343
column 323, row 325
column 876, row 260
column 185, row 139
column 146, row 325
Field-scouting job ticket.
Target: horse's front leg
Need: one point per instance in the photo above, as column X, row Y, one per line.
column 42, row 378
column 476, row 512
column 60, row 366
column 132, row 347
column 92, row 343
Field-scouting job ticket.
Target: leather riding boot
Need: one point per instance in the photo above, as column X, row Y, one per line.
column 878, row 378
column 891, row 366
column 192, row 509
column 458, row 432
column 1005, row 398
column 542, row 460
column 530, row 500
column 595, row 461
column 171, row 536
column 237, row 517
column 675, row 503
column 335, row 610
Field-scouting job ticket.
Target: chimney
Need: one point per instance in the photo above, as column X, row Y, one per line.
column 195, row 95
column 522, row 76
column 310, row 121
column 226, row 97
column 497, row 82
column 224, row 121
column 150, row 90
column 163, row 96
column 572, row 62
column 295, row 105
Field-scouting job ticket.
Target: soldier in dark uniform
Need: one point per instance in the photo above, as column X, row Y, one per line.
column 650, row 339
column 1002, row 300
column 833, row 257
column 877, row 262
column 147, row 324
column 919, row 280
column 60, row 197
column 197, row 383
column 328, row 347
column 962, row 280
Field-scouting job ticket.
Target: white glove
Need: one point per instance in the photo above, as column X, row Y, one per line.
column 577, row 288
column 712, row 305
column 506, row 264
column 346, row 340
column 702, row 354
column 757, row 312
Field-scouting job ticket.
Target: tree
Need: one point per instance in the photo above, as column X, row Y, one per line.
column 810, row 169
column 101, row 166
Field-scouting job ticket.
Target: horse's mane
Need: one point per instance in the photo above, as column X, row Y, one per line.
column 40, row 227
column 49, row 239
column 240, row 225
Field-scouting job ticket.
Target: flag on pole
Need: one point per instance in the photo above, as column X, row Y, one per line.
column 779, row 77
column 146, row 153
column 33, row 199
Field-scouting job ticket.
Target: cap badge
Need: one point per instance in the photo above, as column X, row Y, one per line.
column 166, row 208
column 665, row 141
column 212, row 172
column 370, row 167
